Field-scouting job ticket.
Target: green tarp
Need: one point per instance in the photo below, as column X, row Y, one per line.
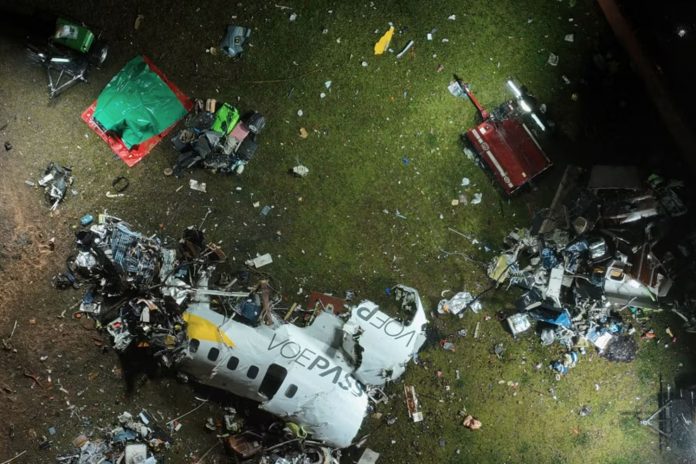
column 137, row 104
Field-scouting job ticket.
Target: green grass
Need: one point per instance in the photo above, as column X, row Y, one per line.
column 337, row 229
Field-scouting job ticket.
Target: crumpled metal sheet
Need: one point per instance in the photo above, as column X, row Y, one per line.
column 386, row 344
column 459, row 303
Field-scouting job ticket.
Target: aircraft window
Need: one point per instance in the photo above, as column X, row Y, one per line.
column 292, row 389
column 253, row 372
column 232, row 363
column 193, row 345
column 275, row 375
column 213, row 354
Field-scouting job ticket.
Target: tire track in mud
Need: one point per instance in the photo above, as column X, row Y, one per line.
column 25, row 249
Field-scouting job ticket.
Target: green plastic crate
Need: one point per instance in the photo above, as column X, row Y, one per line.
column 226, row 117
column 73, row 35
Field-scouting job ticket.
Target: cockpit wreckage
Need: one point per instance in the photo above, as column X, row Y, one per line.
column 601, row 248
column 224, row 332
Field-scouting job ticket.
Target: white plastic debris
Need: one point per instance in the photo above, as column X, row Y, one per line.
column 292, row 17
column 452, row 17
column 198, row 186
column 465, row 181
column 260, row 261
column 136, row 453
column 478, row 196
column 327, row 84
column 405, row 49
column 322, row 95
column 429, row 36
column 456, row 89
column 368, row 457
column 565, row 79
column 136, row 26
column 569, row 38
column 300, row 170
column 300, row 113
column 553, row 59
column 364, row 64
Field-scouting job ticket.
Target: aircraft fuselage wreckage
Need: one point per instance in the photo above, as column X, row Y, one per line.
column 176, row 304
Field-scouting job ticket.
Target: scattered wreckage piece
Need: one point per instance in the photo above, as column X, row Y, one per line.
column 55, row 181
column 471, row 423
column 233, row 42
column 672, row 421
column 291, row 450
column 414, row 409
column 68, row 54
column 174, row 305
column 218, row 139
column 579, row 270
column 459, row 303
column 369, row 457
column 135, row 440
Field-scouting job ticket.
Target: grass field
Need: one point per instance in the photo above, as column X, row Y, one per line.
column 384, row 140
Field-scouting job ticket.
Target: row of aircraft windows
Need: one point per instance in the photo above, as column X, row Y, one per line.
column 272, row 380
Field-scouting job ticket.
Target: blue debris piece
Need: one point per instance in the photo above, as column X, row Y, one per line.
column 234, row 39
column 86, row 220
column 548, row 258
column 573, row 253
column 124, row 435
column 561, row 319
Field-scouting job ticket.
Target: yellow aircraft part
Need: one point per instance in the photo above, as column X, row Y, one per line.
column 202, row 329
column 383, row 43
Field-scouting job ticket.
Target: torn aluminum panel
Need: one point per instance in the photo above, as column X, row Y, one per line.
column 649, row 270
column 381, row 346
column 633, row 209
column 458, row 303
column 621, row 287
